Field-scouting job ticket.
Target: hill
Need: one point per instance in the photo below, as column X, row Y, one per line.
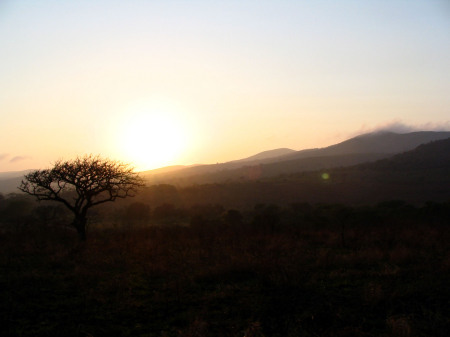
column 270, row 154
column 10, row 180
column 416, row 176
column 13, row 174
column 361, row 149
column 364, row 148
column 383, row 142
column 433, row 155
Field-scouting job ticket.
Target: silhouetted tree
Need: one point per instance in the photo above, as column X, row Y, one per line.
column 81, row 184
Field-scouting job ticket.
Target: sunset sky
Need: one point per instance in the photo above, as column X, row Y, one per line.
column 159, row 83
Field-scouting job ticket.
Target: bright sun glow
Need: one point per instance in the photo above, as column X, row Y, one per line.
column 151, row 139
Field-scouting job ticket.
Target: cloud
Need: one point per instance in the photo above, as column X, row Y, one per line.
column 398, row 126
column 17, row 159
column 3, row 156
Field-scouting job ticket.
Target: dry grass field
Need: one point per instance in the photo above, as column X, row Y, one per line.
column 387, row 277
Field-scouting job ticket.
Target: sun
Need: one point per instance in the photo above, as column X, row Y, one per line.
column 151, row 139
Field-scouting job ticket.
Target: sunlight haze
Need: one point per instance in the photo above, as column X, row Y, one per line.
column 158, row 83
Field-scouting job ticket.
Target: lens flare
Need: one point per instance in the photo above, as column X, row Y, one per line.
column 325, row 176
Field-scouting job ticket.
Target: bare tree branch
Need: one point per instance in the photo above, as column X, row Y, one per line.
column 90, row 179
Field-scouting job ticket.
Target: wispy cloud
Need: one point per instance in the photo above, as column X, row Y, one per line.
column 399, row 126
column 3, row 156
column 17, row 159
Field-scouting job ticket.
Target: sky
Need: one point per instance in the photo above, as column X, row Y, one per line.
column 158, row 83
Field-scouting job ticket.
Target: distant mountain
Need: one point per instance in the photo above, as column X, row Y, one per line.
column 433, row 155
column 268, row 155
column 264, row 156
column 13, row 174
column 10, row 180
column 167, row 169
column 10, row 185
column 360, row 149
column 415, row 176
column 378, row 142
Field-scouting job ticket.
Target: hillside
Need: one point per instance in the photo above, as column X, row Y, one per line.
column 364, row 148
column 13, row 174
column 270, row 154
column 10, row 185
column 416, row 176
column 433, row 155
column 384, row 142
column 361, row 149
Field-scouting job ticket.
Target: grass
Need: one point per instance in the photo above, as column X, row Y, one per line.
column 216, row 280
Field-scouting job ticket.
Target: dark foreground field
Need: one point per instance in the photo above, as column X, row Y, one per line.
column 380, row 279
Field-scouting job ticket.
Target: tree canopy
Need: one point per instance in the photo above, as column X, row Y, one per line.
column 83, row 183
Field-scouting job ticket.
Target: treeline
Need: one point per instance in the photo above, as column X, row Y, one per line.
column 21, row 211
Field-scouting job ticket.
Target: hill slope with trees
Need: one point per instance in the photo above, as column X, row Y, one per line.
column 364, row 148
column 415, row 176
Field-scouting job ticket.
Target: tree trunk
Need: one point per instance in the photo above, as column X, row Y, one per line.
column 80, row 225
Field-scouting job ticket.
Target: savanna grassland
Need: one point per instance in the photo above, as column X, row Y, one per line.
column 303, row 270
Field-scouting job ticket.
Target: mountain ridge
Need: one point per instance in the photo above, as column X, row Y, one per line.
column 417, row 176
column 268, row 154
column 357, row 150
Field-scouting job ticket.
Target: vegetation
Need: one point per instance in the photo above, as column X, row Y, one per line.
column 81, row 184
column 415, row 176
column 300, row 270
column 353, row 251
column 362, row 150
